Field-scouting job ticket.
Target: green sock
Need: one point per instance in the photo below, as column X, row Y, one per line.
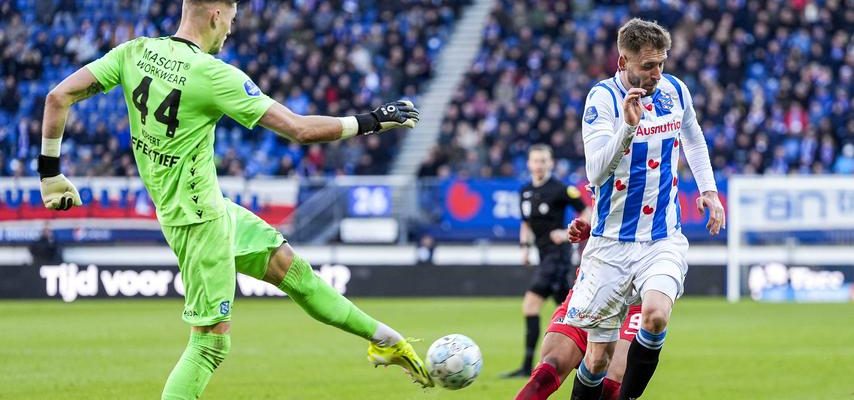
column 190, row 376
column 323, row 302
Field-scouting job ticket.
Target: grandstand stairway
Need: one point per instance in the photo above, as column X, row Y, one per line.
column 453, row 63
column 317, row 219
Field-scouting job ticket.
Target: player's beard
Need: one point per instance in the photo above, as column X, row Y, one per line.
column 637, row 81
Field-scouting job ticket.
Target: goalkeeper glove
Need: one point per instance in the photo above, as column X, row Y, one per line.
column 397, row 114
column 58, row 193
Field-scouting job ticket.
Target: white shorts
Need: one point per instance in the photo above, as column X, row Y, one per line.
column 612, row 274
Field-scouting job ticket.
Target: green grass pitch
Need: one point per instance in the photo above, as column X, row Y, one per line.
column 102, row 349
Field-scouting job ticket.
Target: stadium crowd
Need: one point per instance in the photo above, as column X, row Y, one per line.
column 772, row 80
column 334, row 57
column 772, row 84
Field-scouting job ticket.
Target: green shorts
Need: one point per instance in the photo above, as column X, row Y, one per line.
column 210, row 254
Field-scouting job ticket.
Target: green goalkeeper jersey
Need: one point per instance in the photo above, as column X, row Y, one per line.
column 175, row 95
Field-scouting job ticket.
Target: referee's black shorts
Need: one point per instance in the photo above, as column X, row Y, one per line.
column 554, row 276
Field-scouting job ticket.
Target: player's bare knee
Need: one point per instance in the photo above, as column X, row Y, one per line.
column 220, row 328
column 655, row 320
column 597, row 359
column 550, row 359
column 560, row 364
column 278, row 265
column 597, row 364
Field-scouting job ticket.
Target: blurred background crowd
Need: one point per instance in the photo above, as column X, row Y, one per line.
column 316, row 56
column 772, row 80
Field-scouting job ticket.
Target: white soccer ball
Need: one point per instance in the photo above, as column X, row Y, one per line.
column 454, row 361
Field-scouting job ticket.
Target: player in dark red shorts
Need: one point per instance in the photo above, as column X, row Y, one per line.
column 564, row 346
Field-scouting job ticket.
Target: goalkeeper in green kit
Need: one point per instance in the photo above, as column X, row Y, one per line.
column 176, row 91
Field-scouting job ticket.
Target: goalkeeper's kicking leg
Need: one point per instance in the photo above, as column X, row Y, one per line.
column 294, row 276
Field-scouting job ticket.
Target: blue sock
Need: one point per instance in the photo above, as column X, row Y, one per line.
column 588, row 378
column 652, row 341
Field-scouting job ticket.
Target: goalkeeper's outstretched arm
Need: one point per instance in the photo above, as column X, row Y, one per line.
column 57, row 192
column 316, row 129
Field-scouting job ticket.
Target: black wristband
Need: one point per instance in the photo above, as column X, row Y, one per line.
column 48, row 166
column 368, row 123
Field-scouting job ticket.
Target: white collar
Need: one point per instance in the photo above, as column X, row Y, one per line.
column 620, row 83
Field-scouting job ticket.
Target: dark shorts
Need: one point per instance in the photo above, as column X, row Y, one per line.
column 553, row 277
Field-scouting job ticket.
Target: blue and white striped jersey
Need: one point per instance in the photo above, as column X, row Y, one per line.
column 638, row 201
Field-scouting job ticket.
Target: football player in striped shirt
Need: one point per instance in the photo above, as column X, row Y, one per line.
column 634, row 125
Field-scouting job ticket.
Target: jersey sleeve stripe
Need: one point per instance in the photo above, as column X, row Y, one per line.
column 634, row 196
column 665, row 185
column 613, row 97
column 678, row 87
column 603, row 205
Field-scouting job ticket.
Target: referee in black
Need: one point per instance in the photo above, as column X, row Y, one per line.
column 543, row 202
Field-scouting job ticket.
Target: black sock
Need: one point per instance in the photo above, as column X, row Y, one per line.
column 640, row 366
column 581, row 391
column 532, row 333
